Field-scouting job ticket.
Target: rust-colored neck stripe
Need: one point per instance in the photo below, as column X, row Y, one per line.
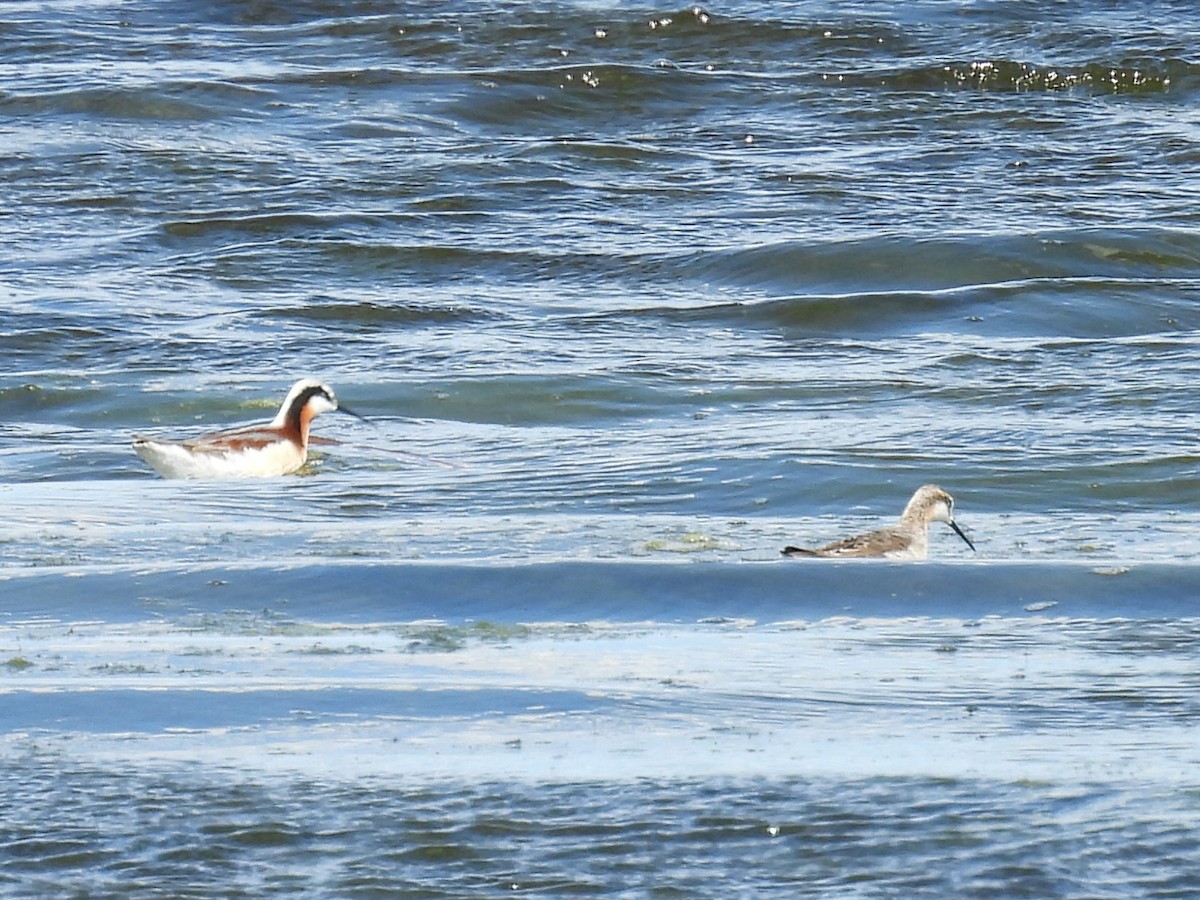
column 299, row 415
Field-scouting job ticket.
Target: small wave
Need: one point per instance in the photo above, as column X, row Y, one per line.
column 156, row 102
column 372, row 315
column 1142, row 77
column 1067, row 308
column 261, row 223
column 563, row 94
column 1078, row 284
column 898, row 264
column 428, row 263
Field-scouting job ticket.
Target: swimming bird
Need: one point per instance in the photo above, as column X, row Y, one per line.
column 909, row 539
column 275, row 448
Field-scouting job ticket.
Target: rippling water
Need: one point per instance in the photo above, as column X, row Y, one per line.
column 632, row 297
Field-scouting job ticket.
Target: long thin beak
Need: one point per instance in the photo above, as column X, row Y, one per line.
column 348, row 411
column 959, row 532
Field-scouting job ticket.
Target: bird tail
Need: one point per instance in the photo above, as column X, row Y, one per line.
column 798, row 551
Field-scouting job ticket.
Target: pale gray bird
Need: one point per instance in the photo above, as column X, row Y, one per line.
column 909, row 539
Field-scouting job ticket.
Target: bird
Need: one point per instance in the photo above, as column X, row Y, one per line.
column 908, row 539
column 278, row 447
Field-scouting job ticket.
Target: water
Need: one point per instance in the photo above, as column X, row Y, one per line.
column 632, row 297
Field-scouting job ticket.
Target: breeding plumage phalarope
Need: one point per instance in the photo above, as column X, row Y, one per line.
column 907, row 540
column 276, row 448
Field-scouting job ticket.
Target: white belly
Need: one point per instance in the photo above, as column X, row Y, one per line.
column 172, row 460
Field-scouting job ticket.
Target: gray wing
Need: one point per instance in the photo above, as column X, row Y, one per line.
column 873, row 543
